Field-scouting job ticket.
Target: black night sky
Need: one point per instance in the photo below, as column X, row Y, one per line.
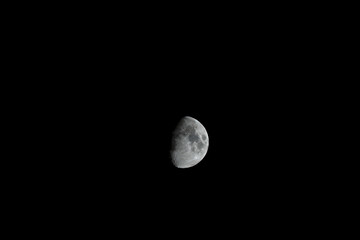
column 119, row 129
column 116, row 96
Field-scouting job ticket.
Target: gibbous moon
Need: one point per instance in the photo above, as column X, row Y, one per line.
column 190, row 143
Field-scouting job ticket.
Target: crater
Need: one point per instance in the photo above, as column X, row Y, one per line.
column 203, row 137
column 200, row 145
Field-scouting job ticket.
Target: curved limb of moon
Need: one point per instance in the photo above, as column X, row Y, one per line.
column 185, row 153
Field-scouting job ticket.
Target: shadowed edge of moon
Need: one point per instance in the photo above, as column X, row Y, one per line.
column 180, row 154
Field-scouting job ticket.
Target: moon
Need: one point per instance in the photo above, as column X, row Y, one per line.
column 190, row 143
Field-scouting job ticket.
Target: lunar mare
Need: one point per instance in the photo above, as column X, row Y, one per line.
column 190, row 143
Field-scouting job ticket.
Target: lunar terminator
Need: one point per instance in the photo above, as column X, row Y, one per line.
column 190, row 143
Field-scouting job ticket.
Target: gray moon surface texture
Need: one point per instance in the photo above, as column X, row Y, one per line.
column 190, row 143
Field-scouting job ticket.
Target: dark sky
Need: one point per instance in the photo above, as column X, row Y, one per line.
column 257, row 120
column 261, row 160
column 116, row 97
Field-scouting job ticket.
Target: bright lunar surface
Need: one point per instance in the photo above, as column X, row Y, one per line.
column 190, row 143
